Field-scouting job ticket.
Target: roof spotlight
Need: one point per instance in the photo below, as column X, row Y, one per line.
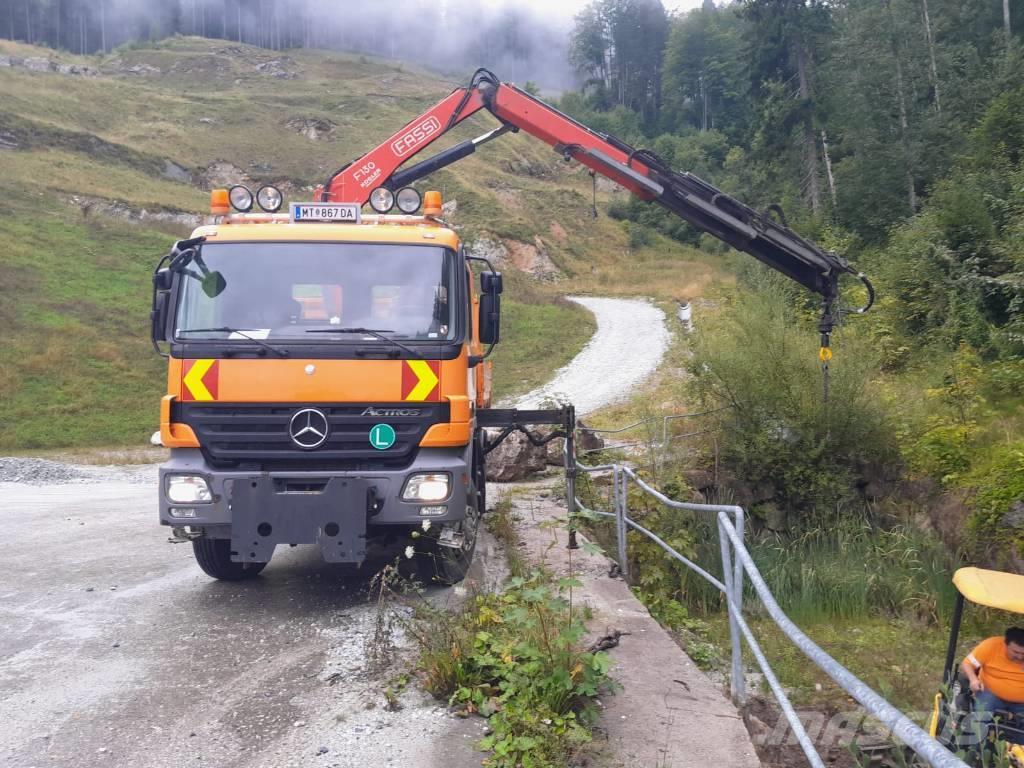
column 382, row 199
column 269, row 198
column 241, row 198
column 408, row 200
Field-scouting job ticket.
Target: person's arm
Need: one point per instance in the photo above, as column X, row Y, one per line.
column 971, row 673
column 975, row 661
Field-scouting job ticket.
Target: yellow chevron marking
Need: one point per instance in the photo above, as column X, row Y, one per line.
column 194, row 379
column 428, row 380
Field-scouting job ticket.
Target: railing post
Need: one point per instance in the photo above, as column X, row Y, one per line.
column 737, row 683
column 570, row 472
column 737, row 581
column 621, row 512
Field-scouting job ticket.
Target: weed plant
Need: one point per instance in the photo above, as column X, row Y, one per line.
column 516, row 658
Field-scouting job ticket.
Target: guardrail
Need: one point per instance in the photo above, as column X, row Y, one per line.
column 737, row 562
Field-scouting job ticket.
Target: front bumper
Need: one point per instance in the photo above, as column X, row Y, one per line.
column 258, row 510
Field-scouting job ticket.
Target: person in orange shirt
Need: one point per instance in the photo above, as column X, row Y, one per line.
column 995, row 669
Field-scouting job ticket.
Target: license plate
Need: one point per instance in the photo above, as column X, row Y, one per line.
column 344, row 212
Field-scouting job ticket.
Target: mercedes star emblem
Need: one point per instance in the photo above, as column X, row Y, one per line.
column 309, row 428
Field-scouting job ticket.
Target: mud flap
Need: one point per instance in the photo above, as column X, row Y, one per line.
column 263, row 517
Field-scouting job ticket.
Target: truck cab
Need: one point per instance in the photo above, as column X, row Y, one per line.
column 323, row 383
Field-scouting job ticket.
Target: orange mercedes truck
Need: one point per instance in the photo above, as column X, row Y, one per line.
column 325, row 370
column 327, row 379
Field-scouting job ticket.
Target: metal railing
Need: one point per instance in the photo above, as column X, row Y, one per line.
column 736, row 561
column 654, row 419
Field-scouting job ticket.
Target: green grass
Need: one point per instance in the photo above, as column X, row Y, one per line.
column 537, row 339
column 76, row 366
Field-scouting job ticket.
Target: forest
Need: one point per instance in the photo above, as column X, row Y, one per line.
column 892, row 132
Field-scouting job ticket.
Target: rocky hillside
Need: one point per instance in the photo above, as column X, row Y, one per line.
column 105, row 158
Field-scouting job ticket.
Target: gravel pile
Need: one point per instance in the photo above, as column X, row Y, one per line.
column 16, row 469
column 39, row 471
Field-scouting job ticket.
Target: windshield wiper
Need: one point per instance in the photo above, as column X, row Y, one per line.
column 228, row 329
column 377, row 333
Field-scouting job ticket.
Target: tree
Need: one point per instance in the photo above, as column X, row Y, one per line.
column 787, row 38
column 704, row 81
column 618, row 45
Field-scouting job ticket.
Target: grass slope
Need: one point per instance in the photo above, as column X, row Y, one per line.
column 76, row 367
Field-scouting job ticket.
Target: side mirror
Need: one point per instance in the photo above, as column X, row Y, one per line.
column 214, row 284
column 163, row 278
column 490, row 317
column 491, row 282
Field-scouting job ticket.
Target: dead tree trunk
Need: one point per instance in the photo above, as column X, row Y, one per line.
column 828, row 167
column 810, row 143
column 931, row 55
column 1006, row 19
column 904, row 123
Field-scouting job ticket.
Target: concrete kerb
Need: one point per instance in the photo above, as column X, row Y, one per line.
column 668, row 711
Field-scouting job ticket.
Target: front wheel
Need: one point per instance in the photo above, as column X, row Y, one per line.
column 214, row 557
column 440, row 564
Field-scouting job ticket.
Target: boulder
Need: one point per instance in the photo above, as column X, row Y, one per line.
column 515, row 458
column 698, row 479
column 175, row 172
column 587, row 440
column 555, row 451
column 1015, row 517
column 486, row 247
column 313, row 128
column 776, row 518
column 37, row 64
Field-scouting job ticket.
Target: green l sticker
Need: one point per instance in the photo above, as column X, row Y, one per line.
column 382, row 436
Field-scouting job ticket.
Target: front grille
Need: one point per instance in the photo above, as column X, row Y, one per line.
column 255, row 435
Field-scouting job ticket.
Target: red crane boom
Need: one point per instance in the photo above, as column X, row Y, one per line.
column 762, row 234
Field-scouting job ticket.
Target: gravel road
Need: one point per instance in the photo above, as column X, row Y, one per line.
column 116, row 650
column 630, row 340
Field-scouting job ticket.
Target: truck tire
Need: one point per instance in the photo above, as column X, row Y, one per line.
column 214, row 557
column 437, row 564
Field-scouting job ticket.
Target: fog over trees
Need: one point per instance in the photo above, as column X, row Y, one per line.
column 450, row 36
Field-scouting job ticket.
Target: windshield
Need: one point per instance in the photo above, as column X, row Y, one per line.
column 286, row 290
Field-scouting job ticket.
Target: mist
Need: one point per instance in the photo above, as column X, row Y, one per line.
column 451, row 37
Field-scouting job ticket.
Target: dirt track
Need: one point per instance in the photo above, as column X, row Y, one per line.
column 630, row 340
column 117, row 651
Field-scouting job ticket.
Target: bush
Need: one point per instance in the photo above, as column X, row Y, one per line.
column 944, row 452
column 760, row 361
column 999, row 484
column 638, row 236
column 515, row 658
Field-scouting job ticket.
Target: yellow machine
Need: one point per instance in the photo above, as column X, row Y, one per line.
column 952, row 721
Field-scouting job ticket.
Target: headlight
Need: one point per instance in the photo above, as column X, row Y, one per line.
column 269, row 198
column 382, row 199
column 426, row 487
column 188, row 489
column 408, row 200
column 241, row 198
